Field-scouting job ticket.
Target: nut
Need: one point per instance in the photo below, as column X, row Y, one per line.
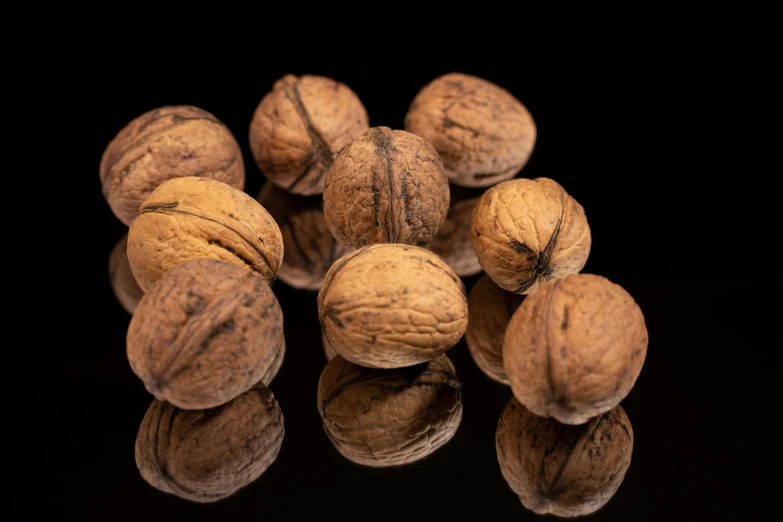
column 452, row 243
column 329, row 352
column 123, row 284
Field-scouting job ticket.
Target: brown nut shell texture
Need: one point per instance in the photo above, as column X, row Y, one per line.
column 528, row 231
column 207, row 332
column 299, row 127
column 391, row 305
column 123, row 284
column 165, row 143
column 187, row 218
column 207, row 455
column 574, row 348
column 452, row 243
column 386, row 186
column 482, row 133
column 389, row 417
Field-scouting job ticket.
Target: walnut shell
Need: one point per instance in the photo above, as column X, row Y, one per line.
column 528, row 231
column 187, row 218
column 386, row 187
column 574, row 348
column 123, row 284
column 389, row 417
column 207, row 455
column 482, row 133
column 207, row 332
column 165, row 143
column 452, row 243
column 298, row 128
column 563, row 470
column 329, row 352
column 392, row 305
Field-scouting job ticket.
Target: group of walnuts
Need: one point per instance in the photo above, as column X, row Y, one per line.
column 401, row 219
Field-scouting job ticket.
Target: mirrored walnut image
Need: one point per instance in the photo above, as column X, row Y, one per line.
column 482, row 133
column 386, row 186
column 207, row 332
column 207, row 455
column 528, row 231
column 391, row 305
column 187, row 218
column 452, row 242
column 299, row 127
column 389, row 417
column 123, row 284
column 563, row 470
column 165, row 143
column 574, row 348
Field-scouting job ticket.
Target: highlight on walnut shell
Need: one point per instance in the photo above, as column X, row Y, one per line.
column 482, row 133
column 528, row 231
column 574, row 348
column 386, row 186
column 389, row 417
column 452, row 243
column 563, row 470
column 123, row 284
column 392, row 305
column 207, row 332
column 187, row 218
column 162, row 144
column 298, row 128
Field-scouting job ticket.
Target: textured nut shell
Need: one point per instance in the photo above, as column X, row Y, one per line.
column 482, row 133
column 123, row 284
column 391, row 305
column 452, row 243
column 559, row 469
column 574, row 348
column 162, row 144
column 207, row 332
column 206, row 455
column 188, row 218
column 300, row 126
column 329, row 352
column 386, row 187
column 389, row 417
column 526, row 232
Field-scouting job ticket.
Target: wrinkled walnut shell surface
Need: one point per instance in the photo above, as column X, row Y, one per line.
column 123, row 284
column 452, row 242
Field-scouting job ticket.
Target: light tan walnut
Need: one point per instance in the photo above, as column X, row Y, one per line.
column 123, row 284
column 452, row 242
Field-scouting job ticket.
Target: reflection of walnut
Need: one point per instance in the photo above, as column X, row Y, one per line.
column 300, row 126
column 559, row 469
column 389, row 417
column 165, row 143
column 481, row 132
column 452, row 242
column 124, row 285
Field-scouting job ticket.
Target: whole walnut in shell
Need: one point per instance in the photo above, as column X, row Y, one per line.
column 207, row 455
column 452, row 243
column 392, row 305
column 187, row 218
column 207, row 332
column 389, row 417
column 386, row 187
column 482, row 133
column 574, row 348
column 563, row 470
column 299, row 127
column 123, row 284
column 528, row 231
column 165, row 143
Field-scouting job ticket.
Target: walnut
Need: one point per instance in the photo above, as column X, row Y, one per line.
column 186, row 218
column 299, row 127
column 482, row 133
column 392, row 305
column 207, row 332
column 162, row 144
column 563, row 470
column 389, row 417
column 528, row 231
column 386, row 187
column 574, row 348
column 452, row 242
column 329, row 352
column 207, row 455
column 123, row 284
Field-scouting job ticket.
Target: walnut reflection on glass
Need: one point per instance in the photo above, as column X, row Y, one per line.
column 123, row 284
column 452, row 242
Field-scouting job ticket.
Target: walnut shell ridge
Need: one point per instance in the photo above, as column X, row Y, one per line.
column 123, row 284
column 452, row 243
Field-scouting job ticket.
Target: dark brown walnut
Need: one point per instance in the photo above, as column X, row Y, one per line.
column 563, row 470
column 386, row 187
column 391, row 305
column 574, row 348
column 187, row 218
column 207, row 455
column 329, row 352
column 207, row 332
column 452, row 242
column 482, row 133
column 300, row 126
column 528, row 231
column 123, row 284
column 389, row 417
column 165, row 143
